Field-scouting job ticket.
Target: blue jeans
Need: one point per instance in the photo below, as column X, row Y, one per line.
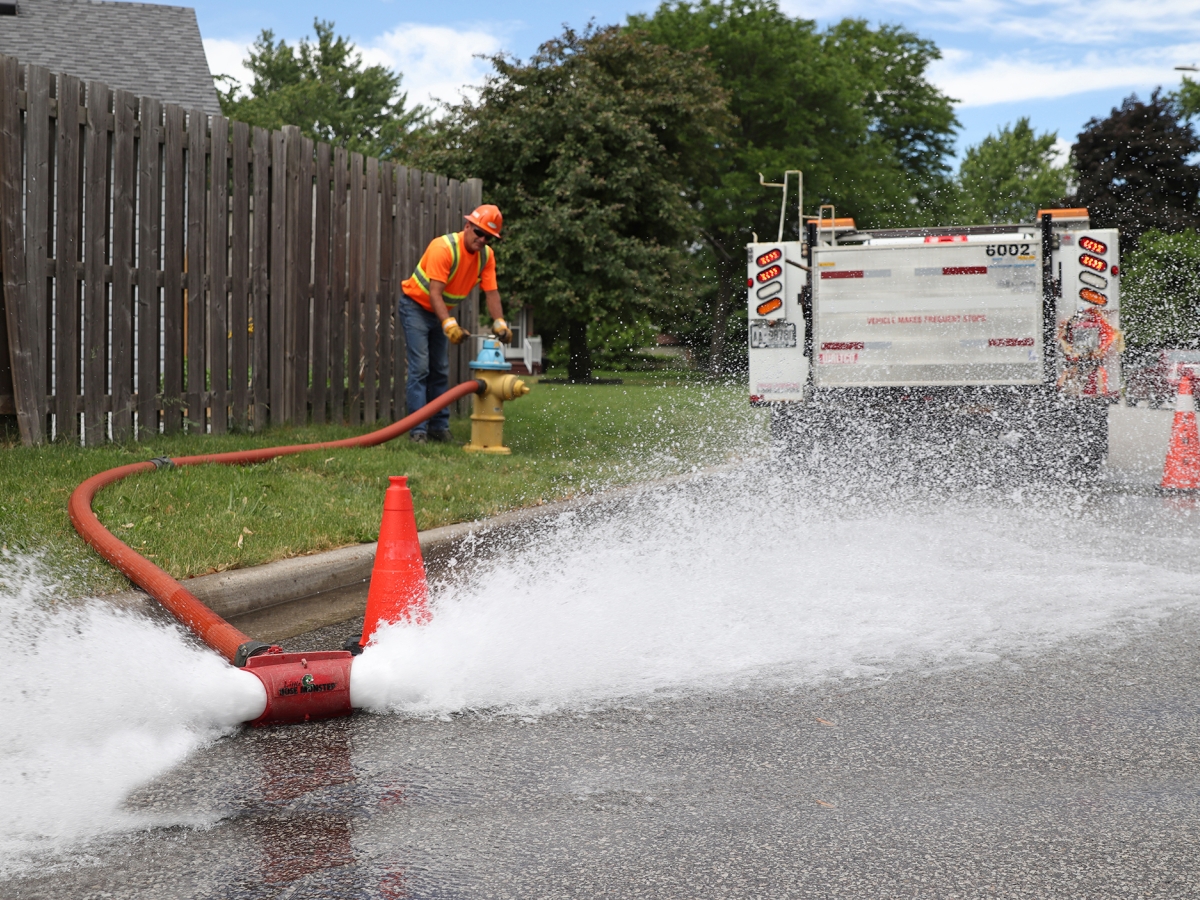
column 428, row 362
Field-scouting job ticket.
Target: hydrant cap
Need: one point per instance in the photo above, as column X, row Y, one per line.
column 490, row 357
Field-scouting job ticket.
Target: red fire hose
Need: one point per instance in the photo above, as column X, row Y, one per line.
column 299, row 686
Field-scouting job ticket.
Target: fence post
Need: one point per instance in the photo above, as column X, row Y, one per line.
column 20, row 318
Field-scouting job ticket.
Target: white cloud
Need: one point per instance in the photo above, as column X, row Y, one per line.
column 225, row 57
column 1077, row 22
column 438, row 63
column 979, row 81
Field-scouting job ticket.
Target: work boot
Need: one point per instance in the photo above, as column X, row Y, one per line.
column 440, row 436
column 418, row 437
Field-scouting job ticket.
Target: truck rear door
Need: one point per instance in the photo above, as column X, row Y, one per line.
column 964, row 312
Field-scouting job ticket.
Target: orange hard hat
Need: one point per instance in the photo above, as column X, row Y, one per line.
column 488, row 218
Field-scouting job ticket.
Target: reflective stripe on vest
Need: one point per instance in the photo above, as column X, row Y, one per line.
column 452, row 242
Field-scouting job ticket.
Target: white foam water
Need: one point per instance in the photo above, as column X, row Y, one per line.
column 759, row 575
column 97, row 702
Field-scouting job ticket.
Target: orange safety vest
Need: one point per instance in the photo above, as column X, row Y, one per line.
column 417, row 286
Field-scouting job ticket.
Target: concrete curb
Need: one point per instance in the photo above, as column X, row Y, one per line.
column 240, row 592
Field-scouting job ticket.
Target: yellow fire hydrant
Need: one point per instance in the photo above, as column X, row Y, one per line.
column 487, row 413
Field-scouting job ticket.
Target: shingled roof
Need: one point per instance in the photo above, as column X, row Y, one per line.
column 151, row 50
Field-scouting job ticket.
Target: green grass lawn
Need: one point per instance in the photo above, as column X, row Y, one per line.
column 566, row 440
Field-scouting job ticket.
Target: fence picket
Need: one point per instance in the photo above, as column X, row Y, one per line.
column 239, row 280
column 301, row 304
column 123, row 195
column 218, row 263
column 338, row 288
column 354, row 290
column 277, row 287
column 260, row 267
column 197, row 178
column 95, row 256
column 402, row 270
column 38, row 194
column 320, row 300
column 371, row 291
column 386, row 224
column 20, row 318
column 149, row 234
column 173, row 305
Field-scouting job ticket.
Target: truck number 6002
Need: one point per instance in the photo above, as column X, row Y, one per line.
column 1007, row 249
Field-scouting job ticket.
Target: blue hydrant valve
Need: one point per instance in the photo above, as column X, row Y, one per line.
column 490, row 357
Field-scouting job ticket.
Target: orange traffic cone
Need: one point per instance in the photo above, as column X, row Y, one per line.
column 1181, row 472
column 398, row 587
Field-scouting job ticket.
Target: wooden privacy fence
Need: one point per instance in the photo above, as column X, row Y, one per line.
column 167, row 270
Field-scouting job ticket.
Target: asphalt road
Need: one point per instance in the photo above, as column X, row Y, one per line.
column 1072, row 773
column 1075, row 773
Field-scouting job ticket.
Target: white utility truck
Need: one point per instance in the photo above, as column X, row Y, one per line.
column 1013, row 325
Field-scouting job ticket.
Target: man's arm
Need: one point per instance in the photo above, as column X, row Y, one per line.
column 495, row 310
column 438, row 303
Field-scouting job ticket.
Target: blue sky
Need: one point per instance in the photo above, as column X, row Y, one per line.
column 1060, row 63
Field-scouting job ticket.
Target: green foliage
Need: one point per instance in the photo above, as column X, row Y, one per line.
column 849, row 106
column 1187, row 98
column 1160, row 291
column 1133, row 169
column 1009, row 176
column 324, row 88
column 589, row 149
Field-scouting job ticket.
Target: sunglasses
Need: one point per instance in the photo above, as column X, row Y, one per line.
column 482, row 235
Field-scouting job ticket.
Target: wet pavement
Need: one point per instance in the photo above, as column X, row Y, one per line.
column 1072, row 773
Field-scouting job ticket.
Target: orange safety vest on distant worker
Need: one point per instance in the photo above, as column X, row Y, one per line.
column 447, row 260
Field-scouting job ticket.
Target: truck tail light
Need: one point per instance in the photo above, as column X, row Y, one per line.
column 765, row 309
column 1091, row 245
column 1091, row 278
column 768, row 274
column 1094, row 297
column 1092, row 262
column 772, row 255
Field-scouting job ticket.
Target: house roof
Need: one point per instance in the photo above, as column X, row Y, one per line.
column 151, row 50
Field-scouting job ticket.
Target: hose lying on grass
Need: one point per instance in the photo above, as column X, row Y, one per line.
column 178, row 600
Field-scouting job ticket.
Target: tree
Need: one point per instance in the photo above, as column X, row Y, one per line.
column 1009, row 176
column 851, row 107
column 324, row 89
column 1133, row 169
column 588, row 149
column 1160, row 291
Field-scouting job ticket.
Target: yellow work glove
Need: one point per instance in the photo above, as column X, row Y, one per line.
column 501, row 330
column 453, row 330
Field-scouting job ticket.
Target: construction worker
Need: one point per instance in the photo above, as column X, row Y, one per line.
column 451, row 266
